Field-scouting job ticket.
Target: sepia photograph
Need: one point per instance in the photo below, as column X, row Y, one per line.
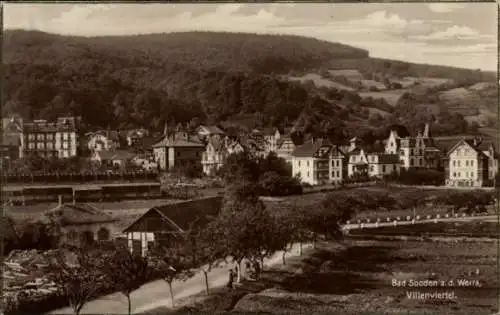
column 250, row 158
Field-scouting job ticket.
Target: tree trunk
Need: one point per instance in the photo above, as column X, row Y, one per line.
column 261, row 262
column 129, row 304
column 283, row 257
column 206, row 281
column 238, row 274
column 300, row 248
column 171, row 292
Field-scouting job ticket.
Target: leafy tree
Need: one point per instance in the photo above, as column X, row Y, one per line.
column 204, row 249
column 127, row 272
column 171, row 263
column 80, row 282
column 239, row 167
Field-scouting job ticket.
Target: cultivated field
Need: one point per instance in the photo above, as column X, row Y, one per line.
column 319, row 81
column 392, row 96
column 372, row 83
column 355, row 277
column 350, row 74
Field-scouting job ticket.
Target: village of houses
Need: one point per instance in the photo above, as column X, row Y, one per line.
column 468, row 162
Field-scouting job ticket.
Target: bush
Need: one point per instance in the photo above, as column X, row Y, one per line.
column 273, row 184
column 418, row 177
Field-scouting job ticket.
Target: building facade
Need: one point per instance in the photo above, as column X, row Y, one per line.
column 311, row 162
column 178, row 149
column 102, row 141
column 52, row 139
column 471, row 163
column 285, row 147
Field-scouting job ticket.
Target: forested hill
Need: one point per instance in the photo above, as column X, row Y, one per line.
column 207, row 50
column 145, row 80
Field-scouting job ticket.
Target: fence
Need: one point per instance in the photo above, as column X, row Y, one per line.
column 384, row 221
column 83, row 177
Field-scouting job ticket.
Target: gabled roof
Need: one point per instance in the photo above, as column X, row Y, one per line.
column 184, row 215
column 172, row 142
column 211, row 129
column 309, row 148
column 84, row 213
column 470, row 143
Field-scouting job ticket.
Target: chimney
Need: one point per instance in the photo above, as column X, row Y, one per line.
column 477, row 141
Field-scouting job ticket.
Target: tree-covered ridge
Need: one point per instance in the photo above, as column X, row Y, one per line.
column 146, row 80
column 207, row 50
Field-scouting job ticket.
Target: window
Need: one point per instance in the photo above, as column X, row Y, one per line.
column 458, row 162
column 307, row 165
column 338, row 173
column 65, row 145
column 50, row 137
column 31, row 137
column 454, row 163
column 31, row 145
column 338, row 163
column 472, row 163
column 298, row 163
column 177, row 154
column 39, row 136
column 466, row 162
column 421, row 162
column 458, row 174
column 65, row 136
column 383, row 168
column 103, row 234
column 49, row 145
column 454, row 174
column 411, row 162
column 307, row 173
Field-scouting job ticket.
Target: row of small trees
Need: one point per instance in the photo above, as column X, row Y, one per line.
column 244, row 230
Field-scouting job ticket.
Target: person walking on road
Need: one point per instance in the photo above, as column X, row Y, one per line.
column 230, row 282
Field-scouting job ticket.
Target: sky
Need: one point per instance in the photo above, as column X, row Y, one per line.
column 452, row 34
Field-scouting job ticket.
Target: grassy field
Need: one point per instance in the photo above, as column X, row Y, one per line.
column 319, row 81
column 355, row 277
column 392, row 96
column 350, row 74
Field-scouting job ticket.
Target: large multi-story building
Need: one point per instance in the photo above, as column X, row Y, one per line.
column 311, row 162
column 52, row 139
column 414, row 152
column 177, row 149
column 471, row 163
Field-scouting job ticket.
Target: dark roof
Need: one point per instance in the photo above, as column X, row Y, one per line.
column 309, row 148
column 184, row 215
column 172, row 141
column 388, row 158
column 284, row 138
column 77, row 214
column 377, row 147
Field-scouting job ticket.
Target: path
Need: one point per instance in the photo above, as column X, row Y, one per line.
column 155, row 294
